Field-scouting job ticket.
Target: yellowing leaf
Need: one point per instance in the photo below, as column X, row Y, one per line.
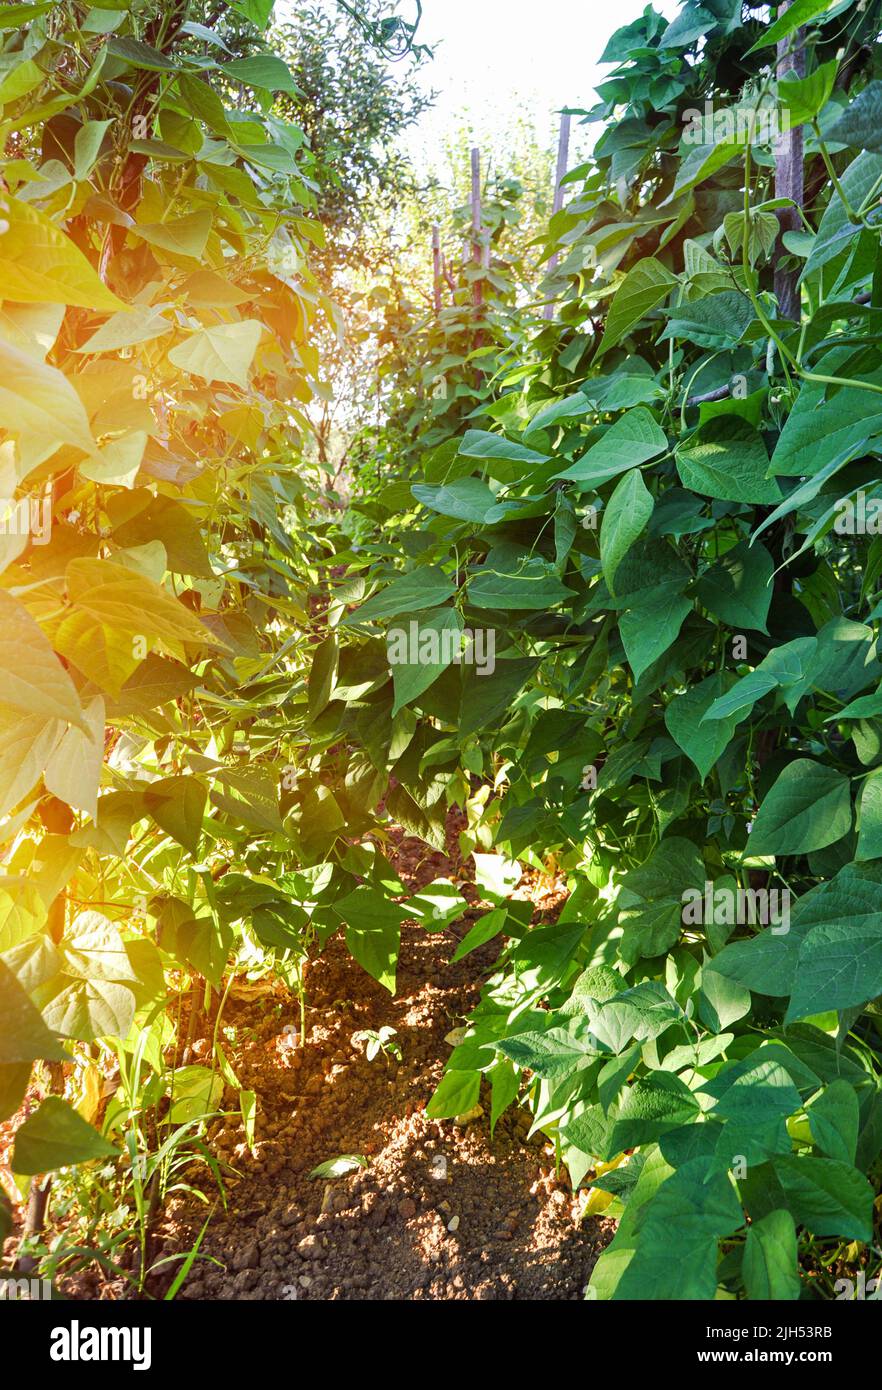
column 107, row 657
column 22, row 912
column 197, row 1093
column 223, row 353
column 40, row 406
column 94, row 949
column 87, row 1097
column 131, row 603
column 88, row 1009
column 150, row 559
column 244, row 423
column 31, row 327
column 107, row 388
column 10, row 828
column 140, row 325
column 91, row 995
column 74, row 770
column 117, row 462
column 40, row 265
column 31, row 676
column 11, row 547
column 185, row 236
column 54, row 864
column 26, row 744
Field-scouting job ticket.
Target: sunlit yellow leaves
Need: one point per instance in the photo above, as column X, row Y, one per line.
column 11, row 542
column 118, row 461
column 22, row 911
column 245, row 424
column 107, row 657
column 116, row 614
column 153, row 479
column 94, row 947
column 40, row 406
column 15, row 823
column 53, row 863
column 150, row 559
column 88, row 1009
column 223, row 353
column 40, row 265
column 141, row 325
column 31, row 327
column 182, row 236
column 197, row 1092
column 73, row 772
column 92, row 994
column 206, row 290
column 87, row 1094
column 32, row 679
column 26, row 743
column 131, row 603
column 117, row 813
column 116, row 396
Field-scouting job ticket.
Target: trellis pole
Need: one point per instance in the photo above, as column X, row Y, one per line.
column 563, row 159
column 436, row 266
column 789, row 175
column 477, row 255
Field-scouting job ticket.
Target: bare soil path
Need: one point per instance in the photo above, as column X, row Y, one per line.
column 442, row 1211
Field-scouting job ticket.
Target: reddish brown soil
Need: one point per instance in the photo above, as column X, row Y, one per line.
column 383, row 1232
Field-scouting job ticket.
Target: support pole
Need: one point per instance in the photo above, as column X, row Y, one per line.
column 563, row 159
column 477, row 254
column 789, row 175
column 436, row 266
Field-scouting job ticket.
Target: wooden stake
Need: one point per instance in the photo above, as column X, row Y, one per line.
column 436, row 265
column 477, row 288
column 789, row 175
column 563, row 159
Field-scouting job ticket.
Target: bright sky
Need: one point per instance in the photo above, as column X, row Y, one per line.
column 495, row 56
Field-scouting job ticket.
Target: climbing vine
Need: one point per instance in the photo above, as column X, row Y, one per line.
column 609, row 581
column 662, row 522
